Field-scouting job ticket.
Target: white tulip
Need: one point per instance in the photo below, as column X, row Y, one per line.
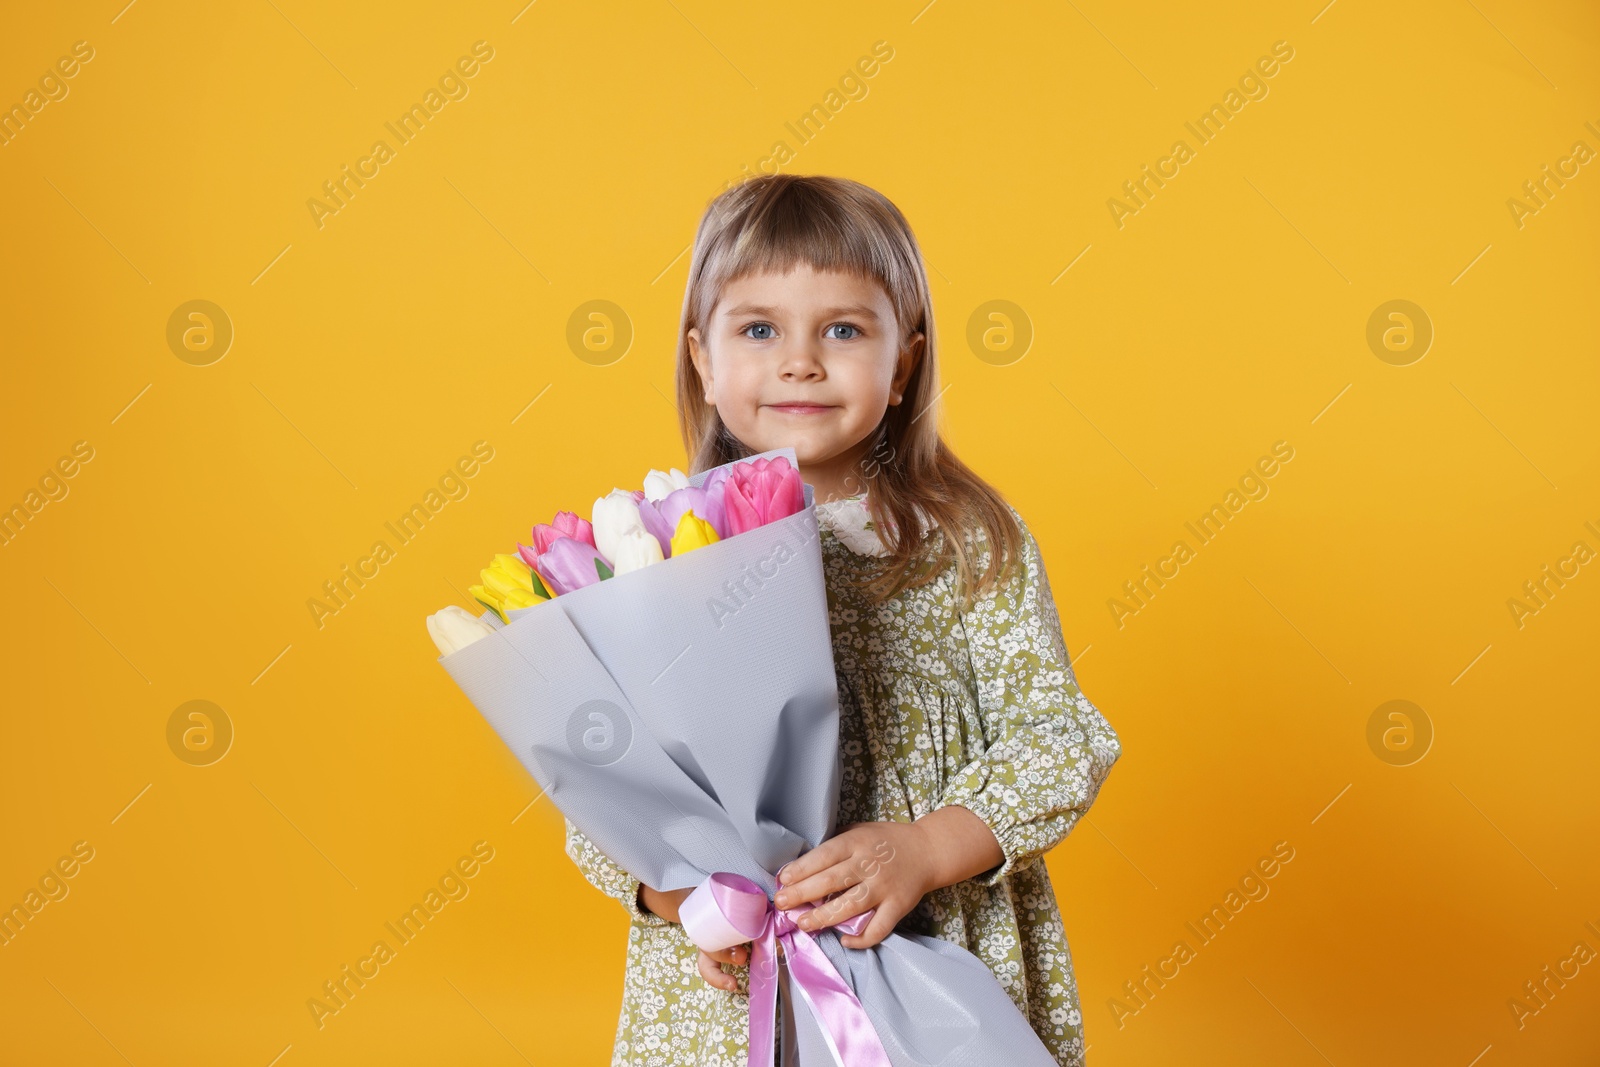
column 637, row 548
column 657, row 485
column 454, row 628
column 614, row 515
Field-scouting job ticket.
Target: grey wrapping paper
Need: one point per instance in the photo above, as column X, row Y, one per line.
column 685, row 717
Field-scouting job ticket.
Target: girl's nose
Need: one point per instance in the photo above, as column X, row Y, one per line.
column 802, row 361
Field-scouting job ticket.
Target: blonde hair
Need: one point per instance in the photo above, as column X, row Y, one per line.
column 774, row 222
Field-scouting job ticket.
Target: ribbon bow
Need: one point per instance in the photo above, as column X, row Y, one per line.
column 729, row 909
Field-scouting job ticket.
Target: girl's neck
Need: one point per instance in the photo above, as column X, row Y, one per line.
column 839, row 477
column 827, row 490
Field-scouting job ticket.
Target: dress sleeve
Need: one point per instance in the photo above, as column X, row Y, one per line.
column 607, row 877
column 1047, row 749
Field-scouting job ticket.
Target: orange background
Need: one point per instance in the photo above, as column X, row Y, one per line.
column 432, row 311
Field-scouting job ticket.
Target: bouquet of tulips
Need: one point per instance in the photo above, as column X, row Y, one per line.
column 664, row 670
column 629, row 530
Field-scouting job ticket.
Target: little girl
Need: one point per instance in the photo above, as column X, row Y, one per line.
column 968, row 749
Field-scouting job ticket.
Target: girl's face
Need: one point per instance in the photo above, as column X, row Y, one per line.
column 806, row 359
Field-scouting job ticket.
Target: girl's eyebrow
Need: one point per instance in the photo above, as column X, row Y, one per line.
column 850, row 309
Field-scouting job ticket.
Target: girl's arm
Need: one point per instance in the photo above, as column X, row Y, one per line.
column 610, row 879
column 1046, row 751
column 664, row 904
column 1048, row 748
column 652, row 907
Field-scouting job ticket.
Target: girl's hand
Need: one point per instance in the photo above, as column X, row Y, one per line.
column 883, row 865
column 666, row 904
column 737, row 955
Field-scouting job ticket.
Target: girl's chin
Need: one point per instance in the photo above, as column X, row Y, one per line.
column 814, row 444
column 808, row 452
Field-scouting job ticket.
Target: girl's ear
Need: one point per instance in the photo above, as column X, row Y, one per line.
column 702, row 362
column 910, row 356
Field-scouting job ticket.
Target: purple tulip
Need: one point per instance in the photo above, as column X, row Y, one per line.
column 707, row 505
column 570, row 564
column 656, row 525
column 716, row 513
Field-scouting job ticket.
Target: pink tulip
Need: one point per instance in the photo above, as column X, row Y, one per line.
column 761, row 491
column 566, row 524
column 570, row 564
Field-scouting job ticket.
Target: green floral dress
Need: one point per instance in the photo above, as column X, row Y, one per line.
column 936, row 707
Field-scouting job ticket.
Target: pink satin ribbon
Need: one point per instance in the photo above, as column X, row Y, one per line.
column 729, row 909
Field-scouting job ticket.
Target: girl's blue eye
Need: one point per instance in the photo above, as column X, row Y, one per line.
column 768, row 327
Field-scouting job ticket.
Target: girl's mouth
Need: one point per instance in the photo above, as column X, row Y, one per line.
column 801, row 409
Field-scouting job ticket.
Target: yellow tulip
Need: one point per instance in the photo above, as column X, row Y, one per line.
column 508, row 583
column 488, row 600
column 692, row 532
